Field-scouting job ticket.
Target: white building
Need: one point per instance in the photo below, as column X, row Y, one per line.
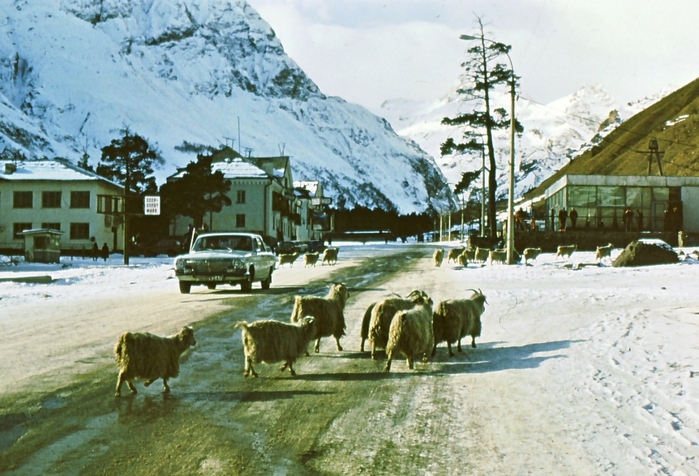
column 55, row 194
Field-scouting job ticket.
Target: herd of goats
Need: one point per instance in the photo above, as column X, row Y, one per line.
column 406, row 326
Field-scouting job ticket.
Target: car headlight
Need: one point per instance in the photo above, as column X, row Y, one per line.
column 179, row 264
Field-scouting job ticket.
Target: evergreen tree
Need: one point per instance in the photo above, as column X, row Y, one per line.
column 129, row 161
column 198, row 192
column 482, row 74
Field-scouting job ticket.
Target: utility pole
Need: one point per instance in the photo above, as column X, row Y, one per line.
column 653, row 148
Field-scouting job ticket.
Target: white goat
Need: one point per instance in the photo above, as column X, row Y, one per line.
column 454, row 253
column 457, row 318
column 530, row 254
column 287, row 258
column 382, row 314
column 604, row 252
column 411, row 333
column 272, row 341
column 330, row 256
column 565, row 251
column 481, row 254
column 147, row 356
column 438, row 257
column 328, row 312
column 310, row 259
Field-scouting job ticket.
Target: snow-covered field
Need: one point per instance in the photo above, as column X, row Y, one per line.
column 603, row 361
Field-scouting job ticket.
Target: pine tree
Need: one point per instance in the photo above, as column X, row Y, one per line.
column 482, row 75
column 198, row 192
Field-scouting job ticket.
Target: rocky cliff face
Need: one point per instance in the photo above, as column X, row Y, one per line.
column 187, row 75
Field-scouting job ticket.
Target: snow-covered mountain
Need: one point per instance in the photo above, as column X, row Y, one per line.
column 190, row 74
column 553, row 133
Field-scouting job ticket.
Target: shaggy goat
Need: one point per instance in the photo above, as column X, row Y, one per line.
column 604, row 252
column 147, row 356
column 328, row 313
column 466, row 256
column 330, row 256
column 287, row 258
column 438, row 257
column 454, row 254
column 481, row 254
column 457, row 318
column 310, row 259
column 382, row 314
column 498, row 255
column 530, row 254
column 366, row 320
column 271, row 341
column 566, row 250
column 411, row 333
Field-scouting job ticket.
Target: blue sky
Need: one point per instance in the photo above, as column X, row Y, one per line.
column 368, row 51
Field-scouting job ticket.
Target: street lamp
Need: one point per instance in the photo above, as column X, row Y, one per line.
column 511, row 191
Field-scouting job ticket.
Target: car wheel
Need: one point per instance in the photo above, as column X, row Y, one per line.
column 185, row 287
column 211, row 286
column 246, row 286
column 267, row 282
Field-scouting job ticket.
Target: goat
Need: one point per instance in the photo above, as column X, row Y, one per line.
column 366, row 320
column 328, row 312
column 481, row 254
column 566, row 250
column 147, row 356
column 272, row 341
column 530, row 254
column 604, row 252
column 330, row 255
column 310, row 259
column 382, row 314
column 288, row 258
column 411, row 332
column 454, row 253
column 456, row 318
column 438, row 257
column 498, row 255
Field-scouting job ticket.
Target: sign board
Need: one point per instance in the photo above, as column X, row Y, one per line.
column 151, row 205
column 316, row 201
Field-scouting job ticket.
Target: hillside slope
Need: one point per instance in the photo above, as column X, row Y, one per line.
column 673, row 121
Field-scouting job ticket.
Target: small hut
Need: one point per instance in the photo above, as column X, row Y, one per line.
column 42, row 245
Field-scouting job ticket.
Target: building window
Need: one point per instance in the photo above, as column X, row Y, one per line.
column 51, row 225
column 18, row 228
column 240, row 196
column 240, row 221
column 79, row 231
column 50, row 199
column 22, row 200
column 79, row 199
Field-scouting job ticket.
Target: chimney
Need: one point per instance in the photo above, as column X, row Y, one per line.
column 10, row 168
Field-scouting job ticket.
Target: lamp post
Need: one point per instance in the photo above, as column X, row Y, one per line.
column 511, row 191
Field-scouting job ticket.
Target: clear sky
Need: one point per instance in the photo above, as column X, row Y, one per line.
column 368, row 51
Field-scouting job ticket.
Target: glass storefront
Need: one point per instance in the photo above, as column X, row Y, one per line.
column 603, row 206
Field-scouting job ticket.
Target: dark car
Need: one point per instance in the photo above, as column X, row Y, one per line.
column 293, row 246
column 316, row 246
column 166, row 246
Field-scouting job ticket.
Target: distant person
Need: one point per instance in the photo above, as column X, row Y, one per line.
column 187, row 238
column 105, row 251
column 573, row 217
column 95, row 251
column 562, row 217
column 627, row 218
column 553, row 218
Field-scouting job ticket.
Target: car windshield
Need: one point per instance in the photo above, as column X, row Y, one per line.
column 230, row 243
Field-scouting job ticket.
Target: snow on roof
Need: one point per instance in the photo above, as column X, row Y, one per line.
column 46, row 169
column 238, row 168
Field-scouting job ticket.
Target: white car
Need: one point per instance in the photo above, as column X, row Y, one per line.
column 226, row 258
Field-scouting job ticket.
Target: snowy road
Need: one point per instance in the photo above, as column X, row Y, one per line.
column 578, row 371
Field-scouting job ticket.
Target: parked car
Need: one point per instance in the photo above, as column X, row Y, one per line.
column 166, row 246
column 294, row 246
column 316, row 246
column 226, row 258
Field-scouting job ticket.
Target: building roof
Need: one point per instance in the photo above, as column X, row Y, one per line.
column 47, row 170
column 238, row 168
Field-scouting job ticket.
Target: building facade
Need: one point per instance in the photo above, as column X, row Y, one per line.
column 55, row 194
